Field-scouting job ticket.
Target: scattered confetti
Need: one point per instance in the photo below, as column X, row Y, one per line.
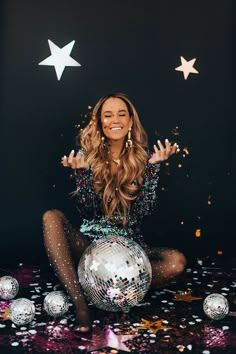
column 181, row 328
column 186, row 296
column 153, row 326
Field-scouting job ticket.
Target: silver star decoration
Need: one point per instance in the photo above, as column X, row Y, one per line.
column 109, row 339
column 187, row 67
column 60, row 58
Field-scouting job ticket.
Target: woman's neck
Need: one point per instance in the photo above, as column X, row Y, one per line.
column 115, row 149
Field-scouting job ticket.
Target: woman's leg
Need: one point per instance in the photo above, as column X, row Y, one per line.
column 64, row 246
column 167, row 264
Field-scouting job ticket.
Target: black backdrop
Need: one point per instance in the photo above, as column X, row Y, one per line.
column 132, row 47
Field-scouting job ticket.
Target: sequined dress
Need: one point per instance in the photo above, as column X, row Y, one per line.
column 96, row 225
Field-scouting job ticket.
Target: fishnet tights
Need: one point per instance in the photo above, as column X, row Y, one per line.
column 64, row 246
column 167, row 264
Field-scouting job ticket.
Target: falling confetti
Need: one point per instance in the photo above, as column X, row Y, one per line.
column 198, row 233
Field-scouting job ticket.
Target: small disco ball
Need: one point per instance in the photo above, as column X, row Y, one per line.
column 9, row 287
column 22, row 311
column 56, row 303
column 115, row 273
column 216, row 306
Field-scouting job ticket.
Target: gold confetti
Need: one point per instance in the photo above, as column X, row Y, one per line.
column 186, row 296
column 5, row 315
column 153, row 326
column 175, row 131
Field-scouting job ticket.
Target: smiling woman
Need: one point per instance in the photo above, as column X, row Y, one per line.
column 116, row 122
column 116, row 187
column 120, row 159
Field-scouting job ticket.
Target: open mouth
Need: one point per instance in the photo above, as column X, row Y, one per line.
column 115, row 128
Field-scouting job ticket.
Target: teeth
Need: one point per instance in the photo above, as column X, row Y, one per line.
column 116, row 128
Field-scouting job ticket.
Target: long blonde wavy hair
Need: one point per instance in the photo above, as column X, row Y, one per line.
column 117, row 191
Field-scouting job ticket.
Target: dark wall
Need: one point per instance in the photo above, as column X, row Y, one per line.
column 133, row 47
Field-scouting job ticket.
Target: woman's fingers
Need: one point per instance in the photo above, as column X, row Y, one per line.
column 159, row 154
column 164, row 151
column 160, row 145
column 168, row 147
column 64, row 161
column 68, row 161
column 174, row 148
column 78, row 160
column 78, row 155
column 156, row 149
column 74, row 161
column 71, row 157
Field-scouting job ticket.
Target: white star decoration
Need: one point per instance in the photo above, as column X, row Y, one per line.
column 60, row 58
column 187, row 67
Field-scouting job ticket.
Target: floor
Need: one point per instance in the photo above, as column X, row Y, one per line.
column 170, row 320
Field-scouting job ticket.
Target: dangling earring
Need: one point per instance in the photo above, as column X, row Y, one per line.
column 129, row 142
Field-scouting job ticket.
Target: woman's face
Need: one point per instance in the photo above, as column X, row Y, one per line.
column 115, row 119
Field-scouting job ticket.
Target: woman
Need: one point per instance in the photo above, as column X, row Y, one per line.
column 116, row 187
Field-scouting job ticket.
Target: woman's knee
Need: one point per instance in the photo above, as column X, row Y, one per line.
column 179, row 261
column 51, row 215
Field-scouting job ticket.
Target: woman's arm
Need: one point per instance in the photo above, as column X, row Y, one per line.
column 149, row 190
column 147, row 198
column 150, row 186
column 86, row 200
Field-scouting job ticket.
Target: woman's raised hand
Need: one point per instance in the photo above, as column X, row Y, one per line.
column 74, row 161
column 164, row 152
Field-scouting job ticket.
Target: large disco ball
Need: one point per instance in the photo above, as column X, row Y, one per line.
column 115, row 273
column 9, row 287
column 22, row 311
column 56, row 303
column 216, row 306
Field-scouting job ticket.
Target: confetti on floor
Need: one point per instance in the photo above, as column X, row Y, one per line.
column 169, row 320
